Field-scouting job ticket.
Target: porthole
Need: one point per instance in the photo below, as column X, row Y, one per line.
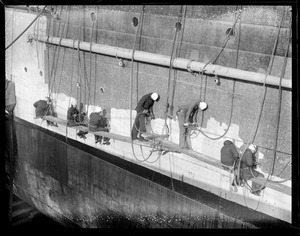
column 25, row 68
column 93, row 16
column 178, row 26
column 135, row 21
column 230, row 32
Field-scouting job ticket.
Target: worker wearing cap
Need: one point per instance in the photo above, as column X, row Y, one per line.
column 187, row 114
column 43, row 108
column 248, row 166
column 144, row 109
column 98, row 122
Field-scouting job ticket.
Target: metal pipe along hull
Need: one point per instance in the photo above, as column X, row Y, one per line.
column 162, row 60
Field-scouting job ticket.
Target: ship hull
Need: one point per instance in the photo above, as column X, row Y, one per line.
column 93, row 185
column 78, row 184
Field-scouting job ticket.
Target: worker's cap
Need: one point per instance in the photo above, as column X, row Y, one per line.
column 202, row 105
column 98, row 109
column 252, row 147
column 74, row 102
column 48, row 99
column 155, row 97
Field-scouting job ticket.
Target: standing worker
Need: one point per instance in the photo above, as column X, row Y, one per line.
column 98, row 122
column 248, row 166
column 144, row 109
column 186, row 115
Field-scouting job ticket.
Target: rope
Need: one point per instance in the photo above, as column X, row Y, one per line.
column 89, row 98
column 131, row 84
column 233, row 89
column 95, row 56
column 71, row 86
column 79, row 65
column 50, row 106
column 290, row 162
column 224, row 43
column 48, row 29
column 280, row 95
column 170, row 70
column 261, row 108
column 85, row 75
column 179, row 19
column 25, row 29
column 131, row 93
column 59, row 84
column 12, row 34
column 278, row 111
column 53, row 71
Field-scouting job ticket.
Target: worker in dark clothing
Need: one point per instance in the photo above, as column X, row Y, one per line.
column 187, row 116
column 144, row 109
column 73, row 114
column 75, row 117
column 229, row 158
column 248, row 166
column 44, row 108
column 229, row 155
column 98, row 122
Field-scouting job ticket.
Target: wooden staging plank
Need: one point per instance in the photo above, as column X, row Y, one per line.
column 171, row 146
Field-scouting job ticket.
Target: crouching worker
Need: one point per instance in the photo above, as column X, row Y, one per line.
column 75, row 118
column 248, row 166
column 98, row 122
column 229, row 157
column 44, row 108
column 187, row 114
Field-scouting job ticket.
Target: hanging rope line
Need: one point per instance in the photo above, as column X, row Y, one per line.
column 172, row 59
column 280, row 95
column 85, row 75
column 170, row 70
column 57, row 59
column 54, row 66
column 12, row 35
column 7, row 47
column 62, row 65
column 178, row 54
column 79, row 66
column 131, row 83
column 95, row 57
column 131, row 95
column 259, row 117
column 89, row 84
column 71, row 86
column 233, row 89
column 48, row 30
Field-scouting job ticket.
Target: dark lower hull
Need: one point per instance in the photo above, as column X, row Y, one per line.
column 74, row 182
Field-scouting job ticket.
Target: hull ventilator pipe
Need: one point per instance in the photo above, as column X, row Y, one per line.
column 162, row 60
